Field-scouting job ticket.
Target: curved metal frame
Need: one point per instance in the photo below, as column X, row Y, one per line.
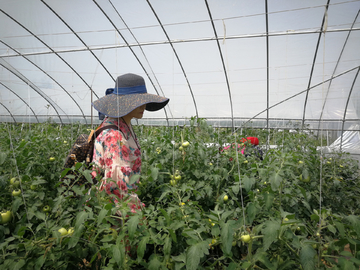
column 9, row 112
column 171, row 43
column 299, row 93
column 29, row 83
column 48, row 76
column 337, row 63
column 132, row 51
column 176, row 55
column 223, row 63
column 189, row 40
column 87, row 47
column 313, row 63
column 21, row 100
column 35, row 36
column 346, row 106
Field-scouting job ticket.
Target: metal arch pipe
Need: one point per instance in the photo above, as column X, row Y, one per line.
column 21, row 77
column 9, row 112
column 187, row 41
column 132, row 51
column 51, row 49
column 337, row 63
column 223, row 64
column 177, row 57
column 87, row 47
column 301, row 92
column 313, row 63
column 57, row 54
column 267, row 72
column 49, row 77
column 346, row 107
column 21, row 100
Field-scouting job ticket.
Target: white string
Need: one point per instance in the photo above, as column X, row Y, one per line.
column 321, row 128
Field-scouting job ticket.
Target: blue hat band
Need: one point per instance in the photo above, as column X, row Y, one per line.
column 140, row 89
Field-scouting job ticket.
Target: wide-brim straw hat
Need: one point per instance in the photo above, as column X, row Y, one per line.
column 129, row 93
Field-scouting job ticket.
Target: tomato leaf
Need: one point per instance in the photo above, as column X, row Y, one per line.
column 154, row 173
column 307, row 255
column 247, row 182
column 195, row 253
column 355, row 223
column 132, row 225
column 261, row 256
column 331, row 228
column 269, row 199
column 167, row 246
column 154, row 263
column 141, row 248
column 227, row 230
column 117, row 255
column 275, row 181
column 134, row 179
column 251, row 212
column 80, row 218
column 2, row 157
column 340, row 228
column 270, row 231
column 101, row 216
column 345, row 264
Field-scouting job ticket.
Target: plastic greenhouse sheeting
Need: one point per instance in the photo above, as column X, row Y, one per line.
column 348, row 142
column 265, row 63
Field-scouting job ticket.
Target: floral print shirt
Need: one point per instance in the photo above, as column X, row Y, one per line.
column 118, row 157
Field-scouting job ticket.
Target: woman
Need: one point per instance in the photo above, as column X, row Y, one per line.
column 117, row 153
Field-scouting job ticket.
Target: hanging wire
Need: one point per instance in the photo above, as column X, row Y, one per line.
column 321, row 122
column 17, row 172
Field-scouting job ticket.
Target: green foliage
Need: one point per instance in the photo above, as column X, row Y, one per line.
column 187, row 223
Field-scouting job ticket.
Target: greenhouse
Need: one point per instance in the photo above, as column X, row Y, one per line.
column 250, row 162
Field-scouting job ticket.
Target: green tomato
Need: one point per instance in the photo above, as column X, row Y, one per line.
column 301, row 162
column 181, row 148
column 173, row 182
column 63, row 231
column 305, row 180
column 233, row 243
column 177, row 177
column 226, row 198
column 16, row 192
column 185, row 144
column 46, row 208
column 213, row 241
column 246, row 238
column 32, row 187
column 245, row 161
column 52, row 159
column 5, row 217
column 14, row 182
column 70, row 231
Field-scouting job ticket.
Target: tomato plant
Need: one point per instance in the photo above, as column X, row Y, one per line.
column 206, row 208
